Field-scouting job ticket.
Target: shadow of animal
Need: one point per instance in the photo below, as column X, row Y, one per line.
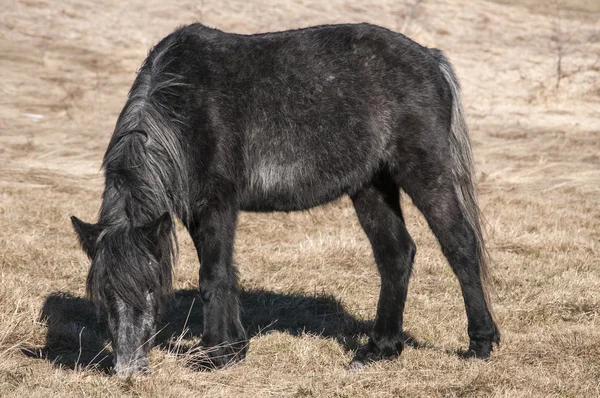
column 77, row 338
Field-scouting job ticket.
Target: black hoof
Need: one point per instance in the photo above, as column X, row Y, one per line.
column 479, row 350
column 372, row 352
column 210, row 358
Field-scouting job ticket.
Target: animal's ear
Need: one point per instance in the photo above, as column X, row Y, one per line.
column 87, row 234
column 158, row 229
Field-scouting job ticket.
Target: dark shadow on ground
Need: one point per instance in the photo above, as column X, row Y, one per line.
column 265, row 311
column 76, row 337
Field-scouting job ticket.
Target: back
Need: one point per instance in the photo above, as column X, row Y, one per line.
column 316, row 109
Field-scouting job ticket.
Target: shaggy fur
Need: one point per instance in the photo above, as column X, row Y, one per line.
column 216, row 123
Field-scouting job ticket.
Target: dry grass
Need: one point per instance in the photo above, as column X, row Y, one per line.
column 309, row 279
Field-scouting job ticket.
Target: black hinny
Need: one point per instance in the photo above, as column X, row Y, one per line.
column 217, row 123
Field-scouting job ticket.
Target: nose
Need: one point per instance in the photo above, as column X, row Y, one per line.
column 125, row 368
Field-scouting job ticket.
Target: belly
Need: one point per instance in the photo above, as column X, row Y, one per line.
column 301, row 178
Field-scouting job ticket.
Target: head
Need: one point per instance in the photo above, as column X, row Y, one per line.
column 129, row 278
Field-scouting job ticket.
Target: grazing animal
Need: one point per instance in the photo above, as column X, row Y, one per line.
column 216, row 123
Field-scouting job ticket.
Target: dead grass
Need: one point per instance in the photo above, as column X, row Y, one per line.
column 310, row 286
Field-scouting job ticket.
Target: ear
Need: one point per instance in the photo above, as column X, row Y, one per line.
column 158, row 228
column 88, row 235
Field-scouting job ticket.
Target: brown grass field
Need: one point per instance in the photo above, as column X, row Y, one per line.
column 531, row 77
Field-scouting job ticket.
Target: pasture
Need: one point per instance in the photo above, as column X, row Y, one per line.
column 530, row 73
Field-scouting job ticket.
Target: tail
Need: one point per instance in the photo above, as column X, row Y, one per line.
column 463, row 175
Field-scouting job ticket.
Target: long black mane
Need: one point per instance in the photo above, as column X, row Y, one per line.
column 145, row 166
column 146, row 176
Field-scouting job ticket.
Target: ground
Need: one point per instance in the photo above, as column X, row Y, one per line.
column 531, row 77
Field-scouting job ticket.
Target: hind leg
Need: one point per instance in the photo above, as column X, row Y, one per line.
column 438, row 200
column 378, row 210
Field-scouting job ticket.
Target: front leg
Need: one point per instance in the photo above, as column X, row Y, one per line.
column 224, row 339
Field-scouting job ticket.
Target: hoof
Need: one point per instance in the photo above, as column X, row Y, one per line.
column 371, row 352
column 216, row 357
column 479, row 350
